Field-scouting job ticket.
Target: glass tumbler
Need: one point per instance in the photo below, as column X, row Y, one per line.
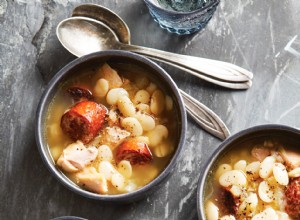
column 182, row 16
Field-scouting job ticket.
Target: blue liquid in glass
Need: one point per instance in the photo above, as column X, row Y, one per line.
column 182, row 5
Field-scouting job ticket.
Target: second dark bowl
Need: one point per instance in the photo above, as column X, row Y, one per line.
column 284, row 134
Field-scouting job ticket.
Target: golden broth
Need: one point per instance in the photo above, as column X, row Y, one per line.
column 58, row 141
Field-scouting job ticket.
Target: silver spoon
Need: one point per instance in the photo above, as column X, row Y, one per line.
column 101, row 37
column 116, row 23
column 121, row 29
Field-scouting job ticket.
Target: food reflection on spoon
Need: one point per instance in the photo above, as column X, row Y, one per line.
column 91, row 35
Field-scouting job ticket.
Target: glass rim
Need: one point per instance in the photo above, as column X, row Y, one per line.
column 213, row 3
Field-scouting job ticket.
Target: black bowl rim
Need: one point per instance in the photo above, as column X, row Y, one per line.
column 71, row 217
column 222, row 147
column 214, row 3
column 68, row 183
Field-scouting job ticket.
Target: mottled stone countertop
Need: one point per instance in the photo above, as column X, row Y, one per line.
column 262, row 36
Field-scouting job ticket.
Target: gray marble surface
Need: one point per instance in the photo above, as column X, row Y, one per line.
column 261, row 36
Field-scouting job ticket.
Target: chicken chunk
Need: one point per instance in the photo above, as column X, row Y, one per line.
column 92, row 180
column 111, row 75
column 260, row 153
column 114, row 118
column 111, row 136
column 291, row 158
column 76, row 157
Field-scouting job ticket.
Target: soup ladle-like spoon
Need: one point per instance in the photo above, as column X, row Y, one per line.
column 206, row 118
column 82, row 35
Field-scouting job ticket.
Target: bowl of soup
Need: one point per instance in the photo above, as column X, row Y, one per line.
column 254, row 174
column 110, row 126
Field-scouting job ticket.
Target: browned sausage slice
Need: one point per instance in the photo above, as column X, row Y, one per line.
column 79, row 93
column 292, row 195
column 83, row 121
column 136, row 152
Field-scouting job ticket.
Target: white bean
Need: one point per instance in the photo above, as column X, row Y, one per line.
column 144, row 108
column 267, row 214
column 147, row 122
column 101, row 88
column 142, row 82
column 113, row 95
column 132, row 125
column 236, row 190
column 233, row 177
column 265, row 192
column 280, row 174
column 151, row 88
column 124, row 167
column 240, row 165
column 252, row 169
column 282, row 215
column 157, row 103
column 169, row 103
column 118, row 181
column 143, row 139
column 156, row 135
column 249, row 204
column 105, row 153
column 228, row 217
column 212, row 211
column 266, row 167
column 162, row 150
column 295, row 172
column 107, row 169
column 125, row 106
column 142, row 96
column 222, row 169
column 130, row 186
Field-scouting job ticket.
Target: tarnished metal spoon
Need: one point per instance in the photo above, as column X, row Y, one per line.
column 82, row 35
column 116, row 23
column 108, row 17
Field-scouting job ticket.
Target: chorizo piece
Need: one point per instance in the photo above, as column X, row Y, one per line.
column 136, row 152
column 292, row 194
column 83, row 121
column 80, row 94
column 227, row 202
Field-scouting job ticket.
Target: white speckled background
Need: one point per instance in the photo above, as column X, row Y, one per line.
column 262, row 36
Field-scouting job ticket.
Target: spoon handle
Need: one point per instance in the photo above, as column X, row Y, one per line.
column 205, row 117
column 200, row 66
column 230, row 85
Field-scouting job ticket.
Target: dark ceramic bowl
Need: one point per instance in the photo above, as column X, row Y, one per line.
column 86, row 61
column 286, row 135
